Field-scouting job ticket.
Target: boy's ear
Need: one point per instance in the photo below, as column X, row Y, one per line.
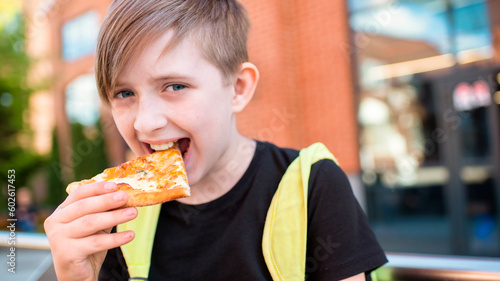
column 244, row 86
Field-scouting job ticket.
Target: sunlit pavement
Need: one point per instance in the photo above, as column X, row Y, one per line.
column 25, row 256
column 30, row 265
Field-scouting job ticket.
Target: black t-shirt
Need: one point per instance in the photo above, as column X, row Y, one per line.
column 222, row 239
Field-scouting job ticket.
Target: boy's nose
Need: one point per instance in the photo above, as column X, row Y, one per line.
column 150, row 117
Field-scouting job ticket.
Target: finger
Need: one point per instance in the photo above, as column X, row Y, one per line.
column 108, row 230
column 89, row 190
column 90, row 224
column 92, row 205
column 103, row 242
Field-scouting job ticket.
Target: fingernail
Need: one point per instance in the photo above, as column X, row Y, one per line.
column 119, row 196
column 129, row 235
column 110, row 186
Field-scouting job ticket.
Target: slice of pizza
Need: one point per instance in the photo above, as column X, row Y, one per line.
column 151, row 179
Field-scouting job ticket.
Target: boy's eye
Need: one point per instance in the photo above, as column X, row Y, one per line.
column 175, row 87
column 124, row 94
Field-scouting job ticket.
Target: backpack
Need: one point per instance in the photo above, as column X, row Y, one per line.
column 285, row 231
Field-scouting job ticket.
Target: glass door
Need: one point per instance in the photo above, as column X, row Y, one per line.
column 468, row 113
column 428, row 131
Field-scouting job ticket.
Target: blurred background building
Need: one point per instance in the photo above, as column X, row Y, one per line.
column 428, row 112
column 405, row 93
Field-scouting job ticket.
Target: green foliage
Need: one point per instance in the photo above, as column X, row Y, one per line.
column 89, row 156
column 15, row 148
column 14, row 91
column 89, row 159
column 56, row 187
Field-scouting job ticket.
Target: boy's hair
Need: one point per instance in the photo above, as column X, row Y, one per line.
column 218, row 27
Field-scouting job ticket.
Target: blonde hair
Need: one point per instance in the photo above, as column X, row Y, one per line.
column 218, row 27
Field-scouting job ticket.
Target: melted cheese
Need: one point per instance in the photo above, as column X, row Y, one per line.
column 136, row 182
column 153, row 172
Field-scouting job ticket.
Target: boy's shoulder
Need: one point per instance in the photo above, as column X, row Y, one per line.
column 274, row 153
column 270, row 157
column 271, row 152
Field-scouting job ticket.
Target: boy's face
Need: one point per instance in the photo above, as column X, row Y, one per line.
column 177, row 95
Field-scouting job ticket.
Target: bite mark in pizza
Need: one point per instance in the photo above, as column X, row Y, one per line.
column 151, row 179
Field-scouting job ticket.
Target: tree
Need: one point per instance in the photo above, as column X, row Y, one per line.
column 16, row 151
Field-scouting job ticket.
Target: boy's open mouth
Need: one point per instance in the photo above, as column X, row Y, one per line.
column 182, row 143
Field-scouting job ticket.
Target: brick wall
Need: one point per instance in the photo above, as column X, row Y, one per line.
column 494, row 7
column 305, row 93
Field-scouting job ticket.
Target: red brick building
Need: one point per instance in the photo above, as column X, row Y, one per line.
column 305, row 92
column 384, row 101
column 306, row 83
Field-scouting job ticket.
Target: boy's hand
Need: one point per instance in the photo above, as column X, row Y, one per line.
column 79, row 230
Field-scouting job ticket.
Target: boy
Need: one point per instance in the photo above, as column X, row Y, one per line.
column 177, row 70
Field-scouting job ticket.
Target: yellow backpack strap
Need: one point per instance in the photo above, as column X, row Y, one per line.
column 285, row 231
column 137, row 253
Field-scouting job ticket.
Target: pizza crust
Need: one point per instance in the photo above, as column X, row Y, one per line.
column 152, row 179
column 139, row 198
column 74, row 185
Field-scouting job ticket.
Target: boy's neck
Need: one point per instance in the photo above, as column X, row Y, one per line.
column 238, row 158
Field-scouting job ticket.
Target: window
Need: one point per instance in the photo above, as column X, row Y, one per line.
column 83, row 108
column 82, row 101
column 426, row 135
column 79, row 36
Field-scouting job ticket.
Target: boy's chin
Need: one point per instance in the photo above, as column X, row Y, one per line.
column 194, row 177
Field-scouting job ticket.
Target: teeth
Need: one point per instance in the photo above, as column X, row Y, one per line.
column 163, row 146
